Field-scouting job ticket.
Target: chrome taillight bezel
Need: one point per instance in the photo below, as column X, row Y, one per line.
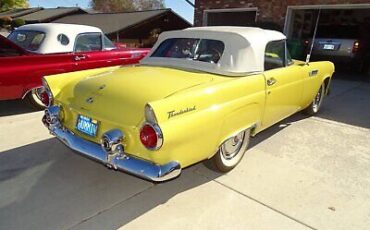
column 158, row 133
column 149, row 114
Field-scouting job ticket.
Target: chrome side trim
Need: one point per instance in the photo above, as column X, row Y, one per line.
column 119, row 160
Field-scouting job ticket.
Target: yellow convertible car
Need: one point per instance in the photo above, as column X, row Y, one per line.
column 201, row 93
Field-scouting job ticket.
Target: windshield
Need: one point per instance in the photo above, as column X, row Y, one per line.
column 205, row 50
column 29, row 40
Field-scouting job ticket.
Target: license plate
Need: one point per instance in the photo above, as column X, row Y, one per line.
column 87, row 125
column 328, row 47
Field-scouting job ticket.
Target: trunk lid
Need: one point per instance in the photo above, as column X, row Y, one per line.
column 119, row 96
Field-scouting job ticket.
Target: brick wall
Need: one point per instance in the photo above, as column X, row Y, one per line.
column 271, row 11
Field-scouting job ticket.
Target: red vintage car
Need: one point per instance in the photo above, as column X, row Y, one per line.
column 21, row 70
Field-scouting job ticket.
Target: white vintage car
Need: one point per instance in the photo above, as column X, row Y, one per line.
column 49, row 38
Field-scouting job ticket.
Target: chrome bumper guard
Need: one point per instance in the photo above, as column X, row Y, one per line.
column 115, row 159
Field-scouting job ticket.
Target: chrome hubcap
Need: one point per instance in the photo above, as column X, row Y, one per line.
column 232, row 146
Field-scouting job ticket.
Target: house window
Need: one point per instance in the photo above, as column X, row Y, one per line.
column 230, row 17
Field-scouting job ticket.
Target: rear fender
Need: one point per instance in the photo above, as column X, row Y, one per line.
column 246, row 117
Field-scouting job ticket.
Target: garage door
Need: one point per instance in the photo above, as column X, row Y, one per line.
column 230, row 17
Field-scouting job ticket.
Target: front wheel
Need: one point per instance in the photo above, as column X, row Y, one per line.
column 231, row 152
column 315, row 105
column 33, row 98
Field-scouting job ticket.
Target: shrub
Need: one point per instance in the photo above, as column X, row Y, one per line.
column 18, row 22
column 5, row 22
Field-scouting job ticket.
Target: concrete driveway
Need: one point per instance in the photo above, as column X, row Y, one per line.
column 304, row 173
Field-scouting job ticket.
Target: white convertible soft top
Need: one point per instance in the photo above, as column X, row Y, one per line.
column 243, row 54
column 50, row 43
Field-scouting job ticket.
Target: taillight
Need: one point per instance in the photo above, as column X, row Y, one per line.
column 151, row 136
column 356, row 46
column 46, row 96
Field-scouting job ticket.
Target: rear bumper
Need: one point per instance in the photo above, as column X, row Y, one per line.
column 118, row 160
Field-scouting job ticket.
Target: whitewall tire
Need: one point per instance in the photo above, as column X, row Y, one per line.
column 231, row 152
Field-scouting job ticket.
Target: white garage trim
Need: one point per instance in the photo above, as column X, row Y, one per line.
column 205, row 12
column 288, row 15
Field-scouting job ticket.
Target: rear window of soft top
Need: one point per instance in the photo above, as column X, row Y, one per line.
column 204, row 50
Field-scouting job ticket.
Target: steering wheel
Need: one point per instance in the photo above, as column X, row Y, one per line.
column 216, row 55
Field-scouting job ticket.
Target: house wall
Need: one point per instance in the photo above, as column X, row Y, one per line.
column 268, row 11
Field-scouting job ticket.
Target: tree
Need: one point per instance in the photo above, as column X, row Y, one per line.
column 13, row 4
column 149, row 5
column 111, row 6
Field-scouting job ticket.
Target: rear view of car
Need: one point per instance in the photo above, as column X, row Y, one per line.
column 339, row 44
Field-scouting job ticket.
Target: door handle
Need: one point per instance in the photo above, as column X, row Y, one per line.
column 271, row 81
column 80, row 57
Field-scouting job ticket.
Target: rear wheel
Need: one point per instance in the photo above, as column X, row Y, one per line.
column 34, row 99
column 231, row 152
column 315, row 105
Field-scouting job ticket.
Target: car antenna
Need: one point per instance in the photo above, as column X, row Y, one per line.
column 308, row 57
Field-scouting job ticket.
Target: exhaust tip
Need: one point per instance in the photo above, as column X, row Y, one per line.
column 106, row 144
column 111, row 141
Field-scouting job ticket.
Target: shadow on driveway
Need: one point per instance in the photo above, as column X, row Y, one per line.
column 14, row 107
column 349, row 103
column 46, row 186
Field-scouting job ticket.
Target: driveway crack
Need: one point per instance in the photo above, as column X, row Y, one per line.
column 109, row 207
column 260, row 202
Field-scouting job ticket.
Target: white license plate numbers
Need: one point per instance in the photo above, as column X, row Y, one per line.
column 87, row 125
column 328, row 47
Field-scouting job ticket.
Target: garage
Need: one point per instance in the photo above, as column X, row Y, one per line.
column 343, row 29
column 343, row 34
column 230, row 17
